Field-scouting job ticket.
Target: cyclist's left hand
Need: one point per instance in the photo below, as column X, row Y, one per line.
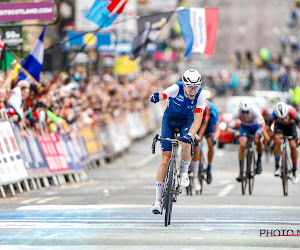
column 186, row 139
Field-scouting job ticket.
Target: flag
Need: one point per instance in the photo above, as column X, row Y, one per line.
column 149, row 28
column 103, row 12
column 2, row 44
column 199, row 29
column 9, row 60
column 32, row 67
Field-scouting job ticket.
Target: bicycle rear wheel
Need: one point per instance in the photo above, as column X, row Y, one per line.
column 168, row 197
column 244, row 176
column 284, row 172
column 251, row 170
column 200, row 174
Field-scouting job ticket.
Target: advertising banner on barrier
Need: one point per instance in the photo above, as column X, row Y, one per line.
column 135, row 125
column 70, row 153
column 12, row 167
column 31, row 153
column 92, row 143
column 55, row 157
column 117, row 129
column 107, row 142
column 79, row 147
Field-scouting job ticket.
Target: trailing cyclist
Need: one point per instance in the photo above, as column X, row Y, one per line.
column 285, row 120
column 186, row 103
column 252, row 123
column 210, row 130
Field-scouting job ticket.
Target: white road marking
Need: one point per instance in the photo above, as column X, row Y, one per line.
column 30, row 200
column 47, row 199
column 106, row 192
column 106, row 224
column 127, row 206
column 219, row 153
column 50, row 236
column 226, row 190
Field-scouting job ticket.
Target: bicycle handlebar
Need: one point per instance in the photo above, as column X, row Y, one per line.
column 173, row 141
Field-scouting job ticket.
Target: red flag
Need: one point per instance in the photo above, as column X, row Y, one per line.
column 116, row 6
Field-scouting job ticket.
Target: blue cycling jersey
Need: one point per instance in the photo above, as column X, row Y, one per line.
column 213, row 113
column 181, row 106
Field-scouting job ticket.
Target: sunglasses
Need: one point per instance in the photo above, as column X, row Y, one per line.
column 191, row 87
column 245, row 112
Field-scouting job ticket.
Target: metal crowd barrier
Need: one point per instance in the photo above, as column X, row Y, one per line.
column 43, row 158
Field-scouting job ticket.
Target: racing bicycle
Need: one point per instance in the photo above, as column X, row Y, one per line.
column 172, row 189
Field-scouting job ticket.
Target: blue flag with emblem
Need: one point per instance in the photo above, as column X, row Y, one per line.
column 32, row 67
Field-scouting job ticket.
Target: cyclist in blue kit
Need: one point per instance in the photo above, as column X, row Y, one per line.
column 186, row 102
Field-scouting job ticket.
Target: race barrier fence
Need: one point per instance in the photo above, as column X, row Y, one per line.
column 42, row 158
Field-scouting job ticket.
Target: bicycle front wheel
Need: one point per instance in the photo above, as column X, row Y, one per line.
column 244, row 176
column 168, row 197
column 251, row 170
column 284, row 172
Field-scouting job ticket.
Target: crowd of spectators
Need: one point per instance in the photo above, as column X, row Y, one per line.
column 75, row 100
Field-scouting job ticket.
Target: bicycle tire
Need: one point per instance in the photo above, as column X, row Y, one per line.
column 200, row 173
column 244, row 176
column 170, row 214
column 251, row 172
column 168, row 197
column 284, row 172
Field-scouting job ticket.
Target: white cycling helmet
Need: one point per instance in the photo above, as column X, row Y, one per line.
column 245, row 105
column 192, row 77
column 281, row 110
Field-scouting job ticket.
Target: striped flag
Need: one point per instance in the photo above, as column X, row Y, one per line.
column 104, row 13
column 33, row 64
column 199, row 29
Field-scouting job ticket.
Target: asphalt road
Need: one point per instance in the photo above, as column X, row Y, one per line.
column 112, row 210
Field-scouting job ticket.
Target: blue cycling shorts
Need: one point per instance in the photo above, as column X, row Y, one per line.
column 169, row 124
column 249, row 130
column 210, row 129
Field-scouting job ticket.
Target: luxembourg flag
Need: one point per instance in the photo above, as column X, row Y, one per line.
column 32, row 67
column 199, row 29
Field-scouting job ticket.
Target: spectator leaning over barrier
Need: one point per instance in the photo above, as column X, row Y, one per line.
column 6, row 111
column 18, row 97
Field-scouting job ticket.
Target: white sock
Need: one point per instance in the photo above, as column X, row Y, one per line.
column 185, row 166
column 159, row 190
column 195, row 168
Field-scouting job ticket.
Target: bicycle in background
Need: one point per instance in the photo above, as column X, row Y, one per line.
column 249, row 169
column 286, row 166
column 201, row 173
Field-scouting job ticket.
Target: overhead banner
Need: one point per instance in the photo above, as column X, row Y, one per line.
column 12, row 167
column 11, row 12
column 78, row 39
